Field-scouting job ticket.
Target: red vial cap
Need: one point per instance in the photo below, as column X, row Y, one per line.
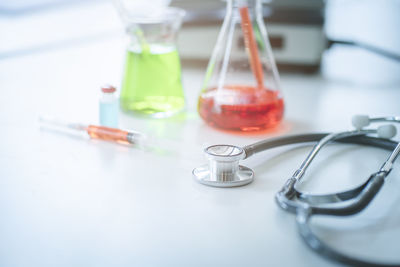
column 108, row 89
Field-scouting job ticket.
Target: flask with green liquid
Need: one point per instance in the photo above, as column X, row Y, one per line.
column 151, row 82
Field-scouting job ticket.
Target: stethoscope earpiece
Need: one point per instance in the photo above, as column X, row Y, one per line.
column 360, row 121
column 386, row 131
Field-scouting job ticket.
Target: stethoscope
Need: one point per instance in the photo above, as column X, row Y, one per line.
column 223, row 170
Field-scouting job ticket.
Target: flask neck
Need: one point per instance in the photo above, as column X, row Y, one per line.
column 254, row 8
column 156, row 29
column 253, row 5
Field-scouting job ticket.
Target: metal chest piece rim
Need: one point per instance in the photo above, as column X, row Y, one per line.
column 223, row 169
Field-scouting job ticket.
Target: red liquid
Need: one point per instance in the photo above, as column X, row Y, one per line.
column 241, row 108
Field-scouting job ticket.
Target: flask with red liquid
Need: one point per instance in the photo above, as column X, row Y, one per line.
column 241, row 89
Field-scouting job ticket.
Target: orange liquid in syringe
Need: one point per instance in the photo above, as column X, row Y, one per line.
column 243, row 108
column 108, row 134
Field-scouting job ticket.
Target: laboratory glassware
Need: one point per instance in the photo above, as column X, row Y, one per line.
column 108, row 106
column 241, row 89
column 151, row 82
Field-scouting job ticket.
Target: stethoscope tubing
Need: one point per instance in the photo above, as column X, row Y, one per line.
column 303, row 219
column 361, row 197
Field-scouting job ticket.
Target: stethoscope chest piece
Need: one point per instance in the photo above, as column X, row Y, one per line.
column 223, row 169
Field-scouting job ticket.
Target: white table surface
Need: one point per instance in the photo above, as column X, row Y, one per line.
column 70, row 201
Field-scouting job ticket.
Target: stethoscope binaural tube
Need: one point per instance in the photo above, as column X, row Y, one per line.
column 306, row 205
column 362, row 199
column 288, row 192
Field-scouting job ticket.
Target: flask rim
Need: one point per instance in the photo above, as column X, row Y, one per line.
column 167, row 15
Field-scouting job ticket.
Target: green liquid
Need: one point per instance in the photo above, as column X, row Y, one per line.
column 152, row 82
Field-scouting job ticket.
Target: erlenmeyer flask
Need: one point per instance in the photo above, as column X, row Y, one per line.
column 241, row 87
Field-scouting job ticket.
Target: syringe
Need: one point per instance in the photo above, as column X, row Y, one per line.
column 98, row 132
column 138, row 140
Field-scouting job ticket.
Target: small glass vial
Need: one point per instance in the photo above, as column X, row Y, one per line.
column 108, row 107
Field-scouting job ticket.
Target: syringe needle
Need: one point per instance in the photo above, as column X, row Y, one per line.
column 50, row 121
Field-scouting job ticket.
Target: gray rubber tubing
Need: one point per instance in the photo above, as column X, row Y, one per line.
column 314, row 137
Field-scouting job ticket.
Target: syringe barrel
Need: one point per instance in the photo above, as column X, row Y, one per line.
column 109, row 134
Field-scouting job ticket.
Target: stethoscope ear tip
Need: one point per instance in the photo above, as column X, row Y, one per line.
column 360, row 121
column 386, row 131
